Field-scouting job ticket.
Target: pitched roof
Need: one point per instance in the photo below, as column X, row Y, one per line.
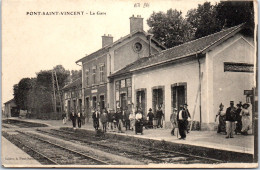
column 74, row 84
column 9, row 101
column 184, row 50
column 106, row 48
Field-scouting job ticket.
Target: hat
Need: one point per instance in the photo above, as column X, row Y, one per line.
column 175, row 109
column 181, row 106
column 231, row 101
column 246, row 104
column 150, row 109
column 239, row 104
column 221, row 105
column 185, row 104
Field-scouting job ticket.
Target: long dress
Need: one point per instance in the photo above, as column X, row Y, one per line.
column 222, row 121
column 245, row 120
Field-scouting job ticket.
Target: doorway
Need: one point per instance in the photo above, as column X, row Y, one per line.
column 94, row 102
column 102, row 102
column 158, row 98
column 179, row 93
column 123, row 100
column 141, row 100
column 80, row 105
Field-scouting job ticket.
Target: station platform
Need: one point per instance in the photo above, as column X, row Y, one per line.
column 12, row 156
column 208, row 139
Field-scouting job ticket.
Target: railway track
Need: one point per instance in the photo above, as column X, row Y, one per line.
column 139, row 152
column 21, row 124
column 53, row 152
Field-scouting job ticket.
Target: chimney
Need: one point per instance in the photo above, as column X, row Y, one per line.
column 136, row 23
column 106, row 40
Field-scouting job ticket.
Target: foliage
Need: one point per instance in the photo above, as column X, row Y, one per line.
column 172, row 29
column 169, row 28
column 36, row 94
column 21, row 91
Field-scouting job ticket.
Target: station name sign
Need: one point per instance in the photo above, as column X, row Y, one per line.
column 238, row 67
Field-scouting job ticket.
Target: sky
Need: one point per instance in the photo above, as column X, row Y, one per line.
column 31, row 43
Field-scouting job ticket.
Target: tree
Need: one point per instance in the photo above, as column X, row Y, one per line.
column 169, row 28
column 75, row 74
column 203, row 20
column 21, row 91
column 232, row 13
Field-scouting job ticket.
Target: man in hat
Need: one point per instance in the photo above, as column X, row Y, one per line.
column 159, row 115
column 182, row 117
column 150, row 118
column 188, row 113
column 230, row 120
column 173, row 119
column 238, row 118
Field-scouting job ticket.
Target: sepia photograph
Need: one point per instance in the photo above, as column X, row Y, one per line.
column 129, row 84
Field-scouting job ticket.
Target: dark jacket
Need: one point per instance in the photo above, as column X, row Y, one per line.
column 151, row 116
column 95, row 117
column 159, row 114
column 231, row 114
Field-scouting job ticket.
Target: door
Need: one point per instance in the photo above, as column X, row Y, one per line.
column 80, row 105
column 102, row 102
column 123, row 100
column 157, row 98
column 94, row 102
column 178, row 96
column 88, row 112
column 140, row 100
column 69, row 107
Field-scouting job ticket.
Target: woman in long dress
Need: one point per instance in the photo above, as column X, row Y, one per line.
column 222, row 119
column 245, row 113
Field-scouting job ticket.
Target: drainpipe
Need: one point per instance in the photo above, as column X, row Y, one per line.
column 199, row 89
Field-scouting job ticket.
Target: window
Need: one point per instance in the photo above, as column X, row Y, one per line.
column 87, row 76
column 94, row 74
column 101, row 72
column 123, row 83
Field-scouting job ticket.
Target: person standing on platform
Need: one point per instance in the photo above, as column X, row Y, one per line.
column 95, row 117
column 173, row 119
column 139, row 122
column 132, row 120
column 150, row 116
column 182, row 118
column 159, row 115
column 238, row 118
column 64, row 118
column 245, row 113
column 222, row 119
column 79, row 118
column 127, row 120
column 119, row 118
column 73, row 119
column 104, row 119
column 189, row 117
column 230, row 120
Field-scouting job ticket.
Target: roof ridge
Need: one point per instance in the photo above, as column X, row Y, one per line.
column 203, row 37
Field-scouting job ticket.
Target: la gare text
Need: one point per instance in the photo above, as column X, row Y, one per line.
column 66, row 13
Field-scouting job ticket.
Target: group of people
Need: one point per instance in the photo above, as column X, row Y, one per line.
column 234, row 119
column 124, row 118
column 181, row 120
column 76, row 118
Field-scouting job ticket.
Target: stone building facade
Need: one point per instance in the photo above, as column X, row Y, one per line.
column 113, row 56
column 202, row 73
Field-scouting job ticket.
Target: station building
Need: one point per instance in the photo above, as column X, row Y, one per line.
column 72, row 97
column 202, row 73
column 113, row 56
column 11, row 109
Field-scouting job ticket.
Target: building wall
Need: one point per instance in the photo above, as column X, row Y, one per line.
column 230, row 86
column 166, row 77
column 127, row 54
